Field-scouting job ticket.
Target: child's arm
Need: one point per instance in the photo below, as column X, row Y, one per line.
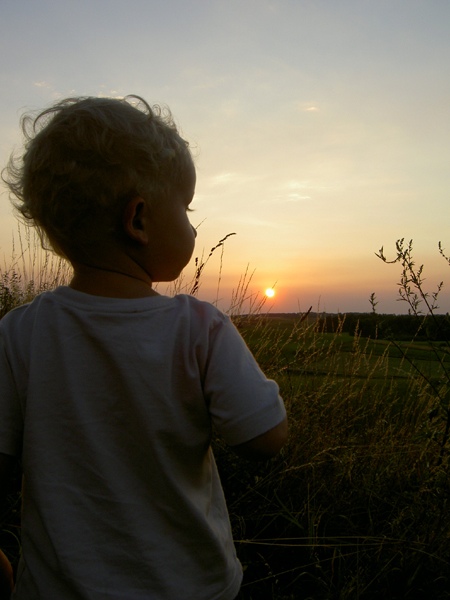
column 245, row 407
column 6, row 573
column 264, row 446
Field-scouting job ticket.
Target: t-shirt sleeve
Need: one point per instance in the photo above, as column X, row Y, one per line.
column 243, row 403
column 11, row 422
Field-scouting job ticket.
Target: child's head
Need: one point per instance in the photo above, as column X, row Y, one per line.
column 85, row 158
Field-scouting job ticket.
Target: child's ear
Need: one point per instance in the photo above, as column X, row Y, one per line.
column 135, row 217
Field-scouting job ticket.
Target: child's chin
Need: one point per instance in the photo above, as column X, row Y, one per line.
column 170, row 276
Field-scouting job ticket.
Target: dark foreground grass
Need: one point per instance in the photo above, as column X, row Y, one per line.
column 357, row 504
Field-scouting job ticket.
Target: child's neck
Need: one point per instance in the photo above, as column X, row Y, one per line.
column 111, row 283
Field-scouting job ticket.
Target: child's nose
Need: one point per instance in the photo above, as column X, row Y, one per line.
column 194, row 230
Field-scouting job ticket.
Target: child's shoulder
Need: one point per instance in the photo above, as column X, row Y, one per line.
column 205, row 311
column 179, row 308
column 21, row 311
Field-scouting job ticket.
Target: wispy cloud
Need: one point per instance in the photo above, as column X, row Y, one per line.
column 308, row 107
column 296, row 198
column 292, row 191
column 223, row 178
column 227, row 178
column 295, row 184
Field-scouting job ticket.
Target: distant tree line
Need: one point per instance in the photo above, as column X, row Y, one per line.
column 398, row 327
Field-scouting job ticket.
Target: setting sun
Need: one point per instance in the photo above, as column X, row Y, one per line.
column 270, row 292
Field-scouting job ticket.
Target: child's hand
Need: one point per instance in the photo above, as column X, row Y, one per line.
column 6, row 577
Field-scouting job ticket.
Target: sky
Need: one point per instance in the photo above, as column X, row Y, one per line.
column 320, row 130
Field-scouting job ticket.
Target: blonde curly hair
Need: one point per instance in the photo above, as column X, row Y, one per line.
column 84, row 158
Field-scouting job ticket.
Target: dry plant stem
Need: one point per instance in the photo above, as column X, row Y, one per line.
column 413, row 292
column 219, row 278
column 192, row 286
column 243, row 302
column 200, row 264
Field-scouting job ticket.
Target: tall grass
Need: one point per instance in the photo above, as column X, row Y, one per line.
column 356, row 506
column 29, row 271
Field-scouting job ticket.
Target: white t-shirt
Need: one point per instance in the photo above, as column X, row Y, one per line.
column 110, row 403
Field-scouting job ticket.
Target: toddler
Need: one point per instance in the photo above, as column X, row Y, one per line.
column 109, row 391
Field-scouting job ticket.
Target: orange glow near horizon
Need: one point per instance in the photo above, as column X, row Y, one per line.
column 296, row 200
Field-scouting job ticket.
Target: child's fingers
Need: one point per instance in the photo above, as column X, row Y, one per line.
column 6, row 577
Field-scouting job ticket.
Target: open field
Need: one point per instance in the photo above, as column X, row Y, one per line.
column 357, row 505
column 313, row 352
